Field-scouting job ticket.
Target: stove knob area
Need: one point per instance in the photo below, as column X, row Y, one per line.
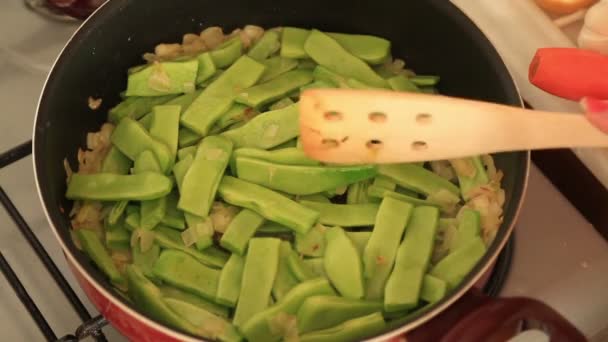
column 594, row 34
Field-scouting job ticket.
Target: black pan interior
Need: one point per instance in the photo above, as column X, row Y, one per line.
column 432, row 36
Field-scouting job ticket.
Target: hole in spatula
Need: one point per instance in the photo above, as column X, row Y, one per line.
column 377, row 117
column 329, row 143
column 374, row 144
column 332, row 116
column 419, row 146
column 423, row 118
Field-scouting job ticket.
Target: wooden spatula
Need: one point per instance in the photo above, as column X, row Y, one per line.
column 347, row 126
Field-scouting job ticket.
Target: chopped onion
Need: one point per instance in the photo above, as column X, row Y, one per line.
column 443, row 243
column 68, row 170
column 190, row 236
column 94, row 103
column 488, row 162
column 443, row 169
column 144, row 237
column 159, row 79
column 167, row 51
column 446, row 200
column 221, row 215
column 75, row 239
column 464, row 167
column 75, row 208
column 189, row 38
column 212, row 36
column 253, row 32
column 285, row 325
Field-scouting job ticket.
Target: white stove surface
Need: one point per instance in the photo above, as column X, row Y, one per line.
column 559, row 257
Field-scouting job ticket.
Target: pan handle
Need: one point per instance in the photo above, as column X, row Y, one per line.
column 477, row 317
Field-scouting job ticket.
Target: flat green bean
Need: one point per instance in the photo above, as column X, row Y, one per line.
column 292, row 42
column 266, row 46
column 381, row 249
column 217, row 98
column 187, row 137
column 163, row 78
column 351, row 330
column 146, row 162
column 343, row 264
column 93, row 247
column 174, row 217
column 206, row 67
column 171, row 239
column 118, row 209
column 260, row 269
column 282, row 103
column 417, row 178
column 274, row 89
column 405, row 282
column 148, row 298
column 286, row 156
column 322, row 312
column 297, row 268
column 131, row 138
column 402, row 83
column 372, row 49
column 136, row 107
column 111, row 187
column 469, row 227
column 170, row 292
column 164, row 126
column 269, row 204
column 203, row 177
column 208, row 324
column 152, row 212
column 324, row 50
column 276, row 66
column 146, row 260
column 360, row 240
column 118, row 239
column 313, row 242
column 237, row 113
column 230, row 281
column 273, row 323
column 284, row 280
column 315, row 265
column 433, row 289
column 240, row 230
column 268, row 129
column 116, row 162
column 288, row 178
column 456, row 265
column 344, row 215
column 227, row 53
column 183, row 152
column 184, row 272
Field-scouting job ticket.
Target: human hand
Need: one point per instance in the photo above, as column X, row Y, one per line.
column 596, row 112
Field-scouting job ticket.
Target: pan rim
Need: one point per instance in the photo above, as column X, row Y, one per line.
column 86, row 271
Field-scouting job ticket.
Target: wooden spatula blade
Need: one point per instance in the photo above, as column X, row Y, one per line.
column 375, row 126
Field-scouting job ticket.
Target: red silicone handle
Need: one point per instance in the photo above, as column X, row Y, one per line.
column 476, row 318
column 570, row 73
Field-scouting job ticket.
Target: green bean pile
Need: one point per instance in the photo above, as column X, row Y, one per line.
column 204, row 212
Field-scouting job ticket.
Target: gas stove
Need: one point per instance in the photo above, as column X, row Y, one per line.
column 558, row 256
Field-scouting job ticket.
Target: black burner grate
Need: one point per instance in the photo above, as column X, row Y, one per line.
column 93, row 326
column 90, row 326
